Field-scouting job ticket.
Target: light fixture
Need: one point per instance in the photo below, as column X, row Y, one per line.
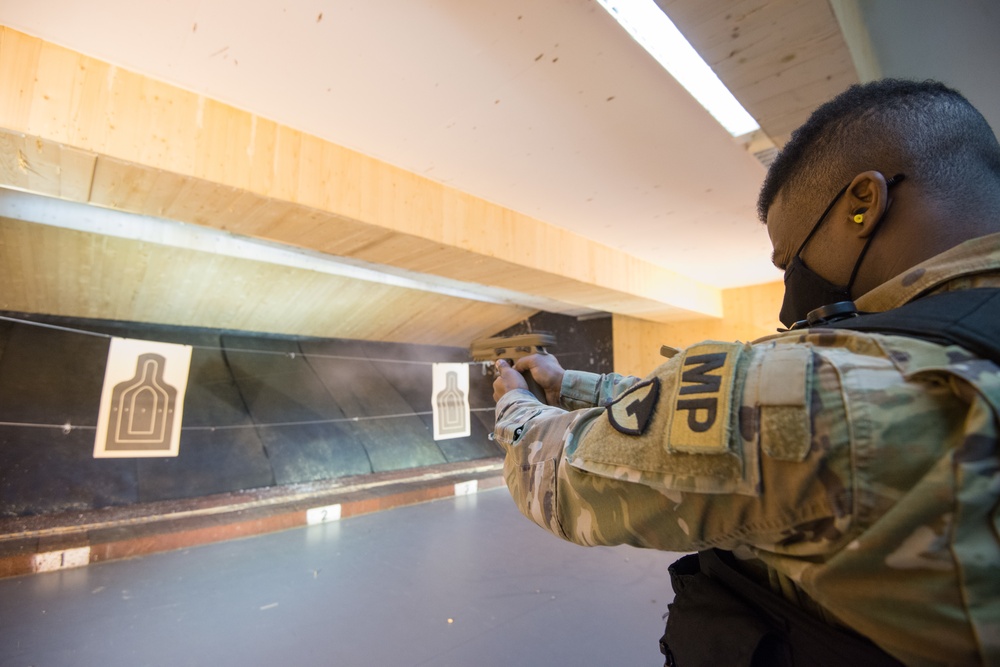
column 656, row 33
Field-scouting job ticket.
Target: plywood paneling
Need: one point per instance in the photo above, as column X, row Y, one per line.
column 45, row 167
column 750, row 313
column 780, row 58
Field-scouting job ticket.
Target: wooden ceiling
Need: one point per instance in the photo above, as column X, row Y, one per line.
column 48, row 269
column 80, row 129
column 780, row 59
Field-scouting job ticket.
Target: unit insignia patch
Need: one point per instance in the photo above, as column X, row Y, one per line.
column 633, row 410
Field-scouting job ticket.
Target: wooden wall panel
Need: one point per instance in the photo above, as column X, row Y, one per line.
column 750, row 313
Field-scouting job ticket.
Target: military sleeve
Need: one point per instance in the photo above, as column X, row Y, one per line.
column 587, row 390
column 673, row 461
column 861, row 467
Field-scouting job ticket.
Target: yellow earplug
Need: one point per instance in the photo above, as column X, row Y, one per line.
column 859, row 218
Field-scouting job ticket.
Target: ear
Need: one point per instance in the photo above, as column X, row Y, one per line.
column 867, row 198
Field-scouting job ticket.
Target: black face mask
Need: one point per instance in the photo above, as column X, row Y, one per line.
column 806, row 290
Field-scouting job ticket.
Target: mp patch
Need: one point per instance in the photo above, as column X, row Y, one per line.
column 702, row 401
column 632, row 411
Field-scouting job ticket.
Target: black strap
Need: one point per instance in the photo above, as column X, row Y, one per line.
column 722, row 617
column 967, row 318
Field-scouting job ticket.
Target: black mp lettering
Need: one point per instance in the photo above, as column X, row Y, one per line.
column 709, row 405
column 698, row 378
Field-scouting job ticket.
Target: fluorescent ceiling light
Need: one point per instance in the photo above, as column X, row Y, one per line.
column 649, row 26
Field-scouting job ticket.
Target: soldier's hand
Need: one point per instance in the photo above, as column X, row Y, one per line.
column 547, row 373
column 507, row 380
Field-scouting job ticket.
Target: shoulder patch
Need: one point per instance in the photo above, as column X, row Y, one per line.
column 702, row 401
column 631, row 412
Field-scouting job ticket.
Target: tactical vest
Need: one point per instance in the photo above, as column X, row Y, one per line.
column 720, row 616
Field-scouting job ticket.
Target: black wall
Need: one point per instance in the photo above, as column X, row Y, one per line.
column 581, row 345
column 259, row 411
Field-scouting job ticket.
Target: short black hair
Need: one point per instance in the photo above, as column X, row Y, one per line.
column 923, row 129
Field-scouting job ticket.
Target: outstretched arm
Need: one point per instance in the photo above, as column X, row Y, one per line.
column 572, row 390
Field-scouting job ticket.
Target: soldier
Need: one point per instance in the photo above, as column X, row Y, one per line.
column 852, row 473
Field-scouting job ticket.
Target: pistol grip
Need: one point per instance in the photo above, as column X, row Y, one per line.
column 533, row 387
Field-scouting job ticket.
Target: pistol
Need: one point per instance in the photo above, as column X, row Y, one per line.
column 512, row 348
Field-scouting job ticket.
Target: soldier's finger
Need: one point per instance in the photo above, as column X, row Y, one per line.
column 526, row 363
column 499, row 388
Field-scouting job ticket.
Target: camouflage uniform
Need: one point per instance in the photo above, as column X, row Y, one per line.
column 856, row 473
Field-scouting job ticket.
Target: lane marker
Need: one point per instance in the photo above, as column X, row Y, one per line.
column 467, row 488
column 51, row 561
column 323, row 514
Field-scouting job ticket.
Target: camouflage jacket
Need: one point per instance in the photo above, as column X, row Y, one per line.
column 858, row 473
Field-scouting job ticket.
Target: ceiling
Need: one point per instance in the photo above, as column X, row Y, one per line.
column 547, row 109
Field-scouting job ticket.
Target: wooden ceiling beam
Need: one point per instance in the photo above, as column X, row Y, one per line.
column 56, row 271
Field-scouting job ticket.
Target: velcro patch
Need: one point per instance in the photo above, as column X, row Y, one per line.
column 702, row 405
column 632, row 411
column 785, row 429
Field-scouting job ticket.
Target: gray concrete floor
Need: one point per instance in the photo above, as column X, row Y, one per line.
column 463, row 581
